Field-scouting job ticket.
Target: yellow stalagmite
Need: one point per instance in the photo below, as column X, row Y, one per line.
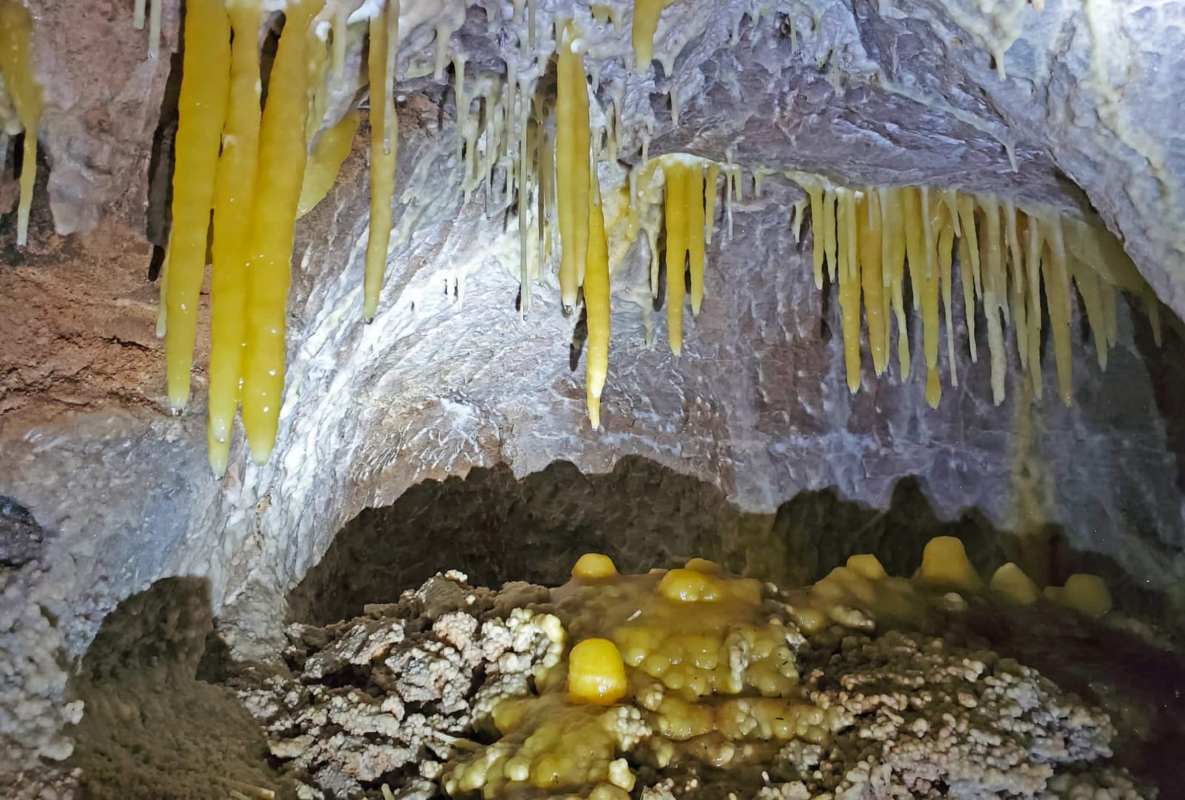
column 384, row 150
column 871, row 280
column 282, row 154
column 16, row 67
column 849, row 289
column 234, row 188
column 201, row 110
column 676, row 229
column 694, row 197
column 572, row 165
column 645, row 24
column 596, row 303
column 1057, row 291
column 331, row 149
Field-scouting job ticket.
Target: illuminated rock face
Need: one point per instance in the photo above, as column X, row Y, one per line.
column 447, row 377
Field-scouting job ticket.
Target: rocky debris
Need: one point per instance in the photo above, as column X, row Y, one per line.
column 392, row 698
column 931, row 718
column 386, row 698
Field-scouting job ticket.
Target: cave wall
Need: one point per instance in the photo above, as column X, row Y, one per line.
column 448, row 378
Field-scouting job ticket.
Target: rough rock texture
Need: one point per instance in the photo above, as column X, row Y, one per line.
column 385, row 697
column 447, row 377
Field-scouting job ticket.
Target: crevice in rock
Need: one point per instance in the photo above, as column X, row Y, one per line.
column 496, row 529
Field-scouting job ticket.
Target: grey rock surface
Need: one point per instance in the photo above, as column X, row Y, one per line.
column 448, row 378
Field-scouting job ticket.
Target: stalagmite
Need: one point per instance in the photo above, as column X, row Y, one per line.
column 676, row 229
column 596, row 303
column 572, row 167
column 201, row 109
column 16, row 68
column 384, row 128
column 233, row 191
column 282, row 154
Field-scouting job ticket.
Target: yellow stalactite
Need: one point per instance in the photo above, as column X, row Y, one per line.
column 572, row 165
column 646, row 14
column 16, row 66
column 234, row 187
column 694, row 197
column 967, row 281
column 384, row 151
column 893, row 243
column 710, row 200
column 676, row 230
column 994, row 291
column 871, row 280
column 925, row 284
column 280, row 173
column 945, row 278
column 1088, row 283
column 1033, row 248
column 849, row 288
column 597, row 307
column 815, row 193
column 1017, row 284
column 1057, row 291
column 325, row 162
column 966, row 204
column 829, row 244
column 201, row 110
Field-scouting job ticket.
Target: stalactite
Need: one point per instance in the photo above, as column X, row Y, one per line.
column 694, row 197
column 16, row 28
column 676, row 231
column 384, row 131
column 282, row 154
column 234, row 188
column 596, row 301
column 849, row 288
column 325, row 161
column 871, row 279
column 646, row 13
column 202, row 109
column 710, row 192
column 572, row 169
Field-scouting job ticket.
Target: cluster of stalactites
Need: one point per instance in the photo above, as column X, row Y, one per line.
column 245, row 170
column 1017, row 265
column 20, row 102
